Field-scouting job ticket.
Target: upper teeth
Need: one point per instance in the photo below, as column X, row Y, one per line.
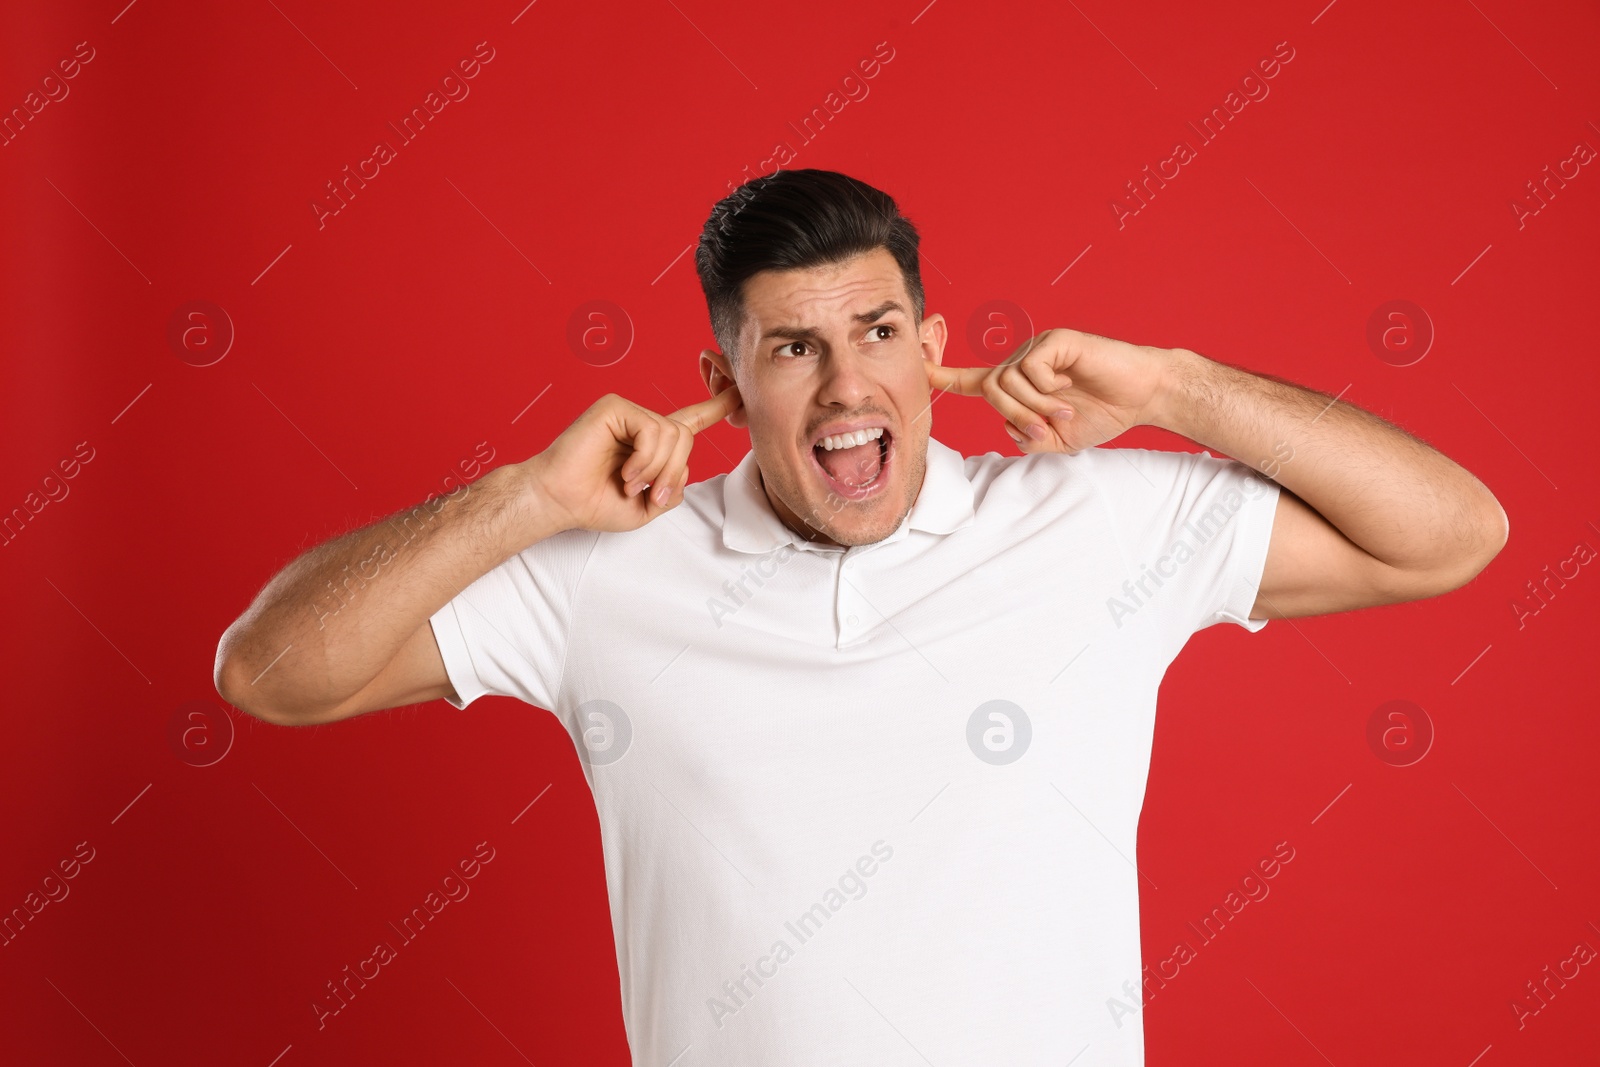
column 850, row 440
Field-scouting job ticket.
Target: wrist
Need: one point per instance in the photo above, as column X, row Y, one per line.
column 530, row 513
column 1173, row 394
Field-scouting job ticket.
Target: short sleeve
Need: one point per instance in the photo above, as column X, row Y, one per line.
column 1194, row 529
column 506, row 634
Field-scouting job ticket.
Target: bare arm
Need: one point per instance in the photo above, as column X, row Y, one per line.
column 1372, row 514
column 343, row 629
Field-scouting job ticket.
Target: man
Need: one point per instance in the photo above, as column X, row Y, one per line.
column 868, row 722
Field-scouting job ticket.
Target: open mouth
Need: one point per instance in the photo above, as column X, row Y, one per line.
column 857, row 471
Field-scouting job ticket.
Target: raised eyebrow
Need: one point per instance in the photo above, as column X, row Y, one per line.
column 880, row 311
column 806, row 333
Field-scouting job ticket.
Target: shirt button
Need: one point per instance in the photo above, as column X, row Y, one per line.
column 852, row 620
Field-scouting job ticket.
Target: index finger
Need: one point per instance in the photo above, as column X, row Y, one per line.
column 710, row 411
column 968, row 381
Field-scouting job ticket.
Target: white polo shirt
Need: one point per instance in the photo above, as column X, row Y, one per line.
column 876, row 805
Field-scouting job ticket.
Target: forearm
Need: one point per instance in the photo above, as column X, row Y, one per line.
column 326, row 624
column 1394, row 496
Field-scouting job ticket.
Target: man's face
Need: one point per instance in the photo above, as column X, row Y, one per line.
column 824, row 351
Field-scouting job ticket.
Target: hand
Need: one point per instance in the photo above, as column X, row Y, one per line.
column 1064, row 391
column 595, row 474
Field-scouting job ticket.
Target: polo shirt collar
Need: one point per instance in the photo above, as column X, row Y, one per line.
column 943, row 505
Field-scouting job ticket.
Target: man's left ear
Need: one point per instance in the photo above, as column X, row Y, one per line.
column 714, row 371
column 934, row 333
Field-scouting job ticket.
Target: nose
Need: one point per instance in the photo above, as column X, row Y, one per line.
column 845, row 380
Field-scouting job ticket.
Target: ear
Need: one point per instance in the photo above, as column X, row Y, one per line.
column 934, row 333
column 718, row 375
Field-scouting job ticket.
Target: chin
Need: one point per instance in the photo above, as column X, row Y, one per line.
column 862, row 523
column 865, row 534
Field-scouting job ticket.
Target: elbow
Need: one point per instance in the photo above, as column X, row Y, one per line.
column 1493, row 530
column 1486, row 536
column 1477, row 543
column 1500, row 529
column 235, row 688
column 235, row 681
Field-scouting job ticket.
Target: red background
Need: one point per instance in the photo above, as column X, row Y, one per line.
column 372, row 355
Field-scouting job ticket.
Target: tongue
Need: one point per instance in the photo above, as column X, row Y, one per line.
column 852, row 466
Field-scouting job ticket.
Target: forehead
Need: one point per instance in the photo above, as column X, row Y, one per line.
column 818, row 296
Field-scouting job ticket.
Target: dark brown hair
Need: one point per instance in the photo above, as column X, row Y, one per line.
column 794, row 220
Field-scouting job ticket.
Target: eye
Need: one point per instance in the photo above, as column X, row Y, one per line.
column 885, row 326
column 787, row 350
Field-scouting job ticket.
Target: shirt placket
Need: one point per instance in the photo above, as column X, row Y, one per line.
column 850, row 608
